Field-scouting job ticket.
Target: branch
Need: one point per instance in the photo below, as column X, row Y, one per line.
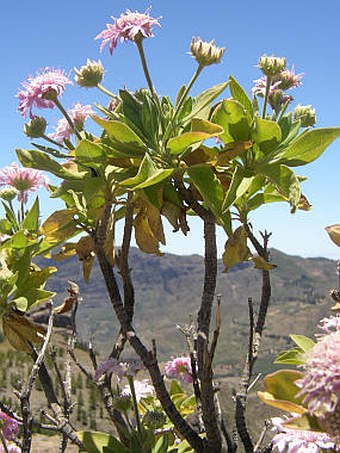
column 147, row 357
column 241, row 396
column 125, row 273
column 205, row 371
column 25, row 394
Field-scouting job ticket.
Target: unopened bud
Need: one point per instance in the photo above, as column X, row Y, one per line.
column 277, row 99
column 122, row 403
column 154, row 419
column 305, row 114
column 271, row 66
column 50, row 95
column 206, row 53
column 90, row 74
column 36, row 127
column 8, row 194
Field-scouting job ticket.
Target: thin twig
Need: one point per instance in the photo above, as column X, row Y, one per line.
column 257, row 447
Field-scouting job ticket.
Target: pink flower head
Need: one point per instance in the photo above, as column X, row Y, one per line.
column 8, row 426
column 261, row 84
column 179, row 368
column 121, row 369
column 48, row 80
column 290, row 440
column 23, row 179
column 127, row 27
column 142, row 389
column 321, row 381
column 288, row 79
column 330, row 324
column 78, row 114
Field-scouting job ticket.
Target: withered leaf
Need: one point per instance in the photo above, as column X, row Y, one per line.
column 334, row 233
column 236, row 249
column 21, row 333
column 232, row 150
column 145, row 238
column 66, row 306
column 261, row 263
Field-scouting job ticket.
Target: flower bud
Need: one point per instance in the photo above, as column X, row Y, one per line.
column 271, row 66
column 90, row 74
column 36, row 127
column 277, row 99
column 206, row 53
column 8, row 194
column 154, row 419
column 305, row 114
column 122, row 403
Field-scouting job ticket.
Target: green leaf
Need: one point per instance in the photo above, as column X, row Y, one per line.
column 240, row 95
column 88, row 152
column 268, row 135
column 305, row 343
column 285, row 181
column 21, row 303
column 36, row 296
column 205, row 98
column 281, row 391
column 96, row 442
column 201, row 130
column 238, row 187
column 264, row 198
column 308, row 146
column 294, row 356
column 20, row 240
column 52, row 151
column 289, row 129
column 175, row 388
column 41, row 161
column 122, row 136
column 161, row 445
column 148, row 174
column 233, row 117
column 31, row 220
column 211, row 190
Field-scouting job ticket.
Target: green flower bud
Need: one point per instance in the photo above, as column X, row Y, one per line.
column 154, row 419
column 271, row 66
column 305, row 114
column 8, row 194
column 36, row 127
column 90, row 74
column 206, row 53
column 122, row 403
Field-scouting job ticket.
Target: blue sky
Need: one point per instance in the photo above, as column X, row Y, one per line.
column 44, row 33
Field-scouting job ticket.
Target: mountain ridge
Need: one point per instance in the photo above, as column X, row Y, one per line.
column 168, row 293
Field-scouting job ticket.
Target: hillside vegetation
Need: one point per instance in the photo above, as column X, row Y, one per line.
column 168, row 293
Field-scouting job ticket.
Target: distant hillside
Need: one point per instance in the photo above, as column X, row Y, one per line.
column 168, row 290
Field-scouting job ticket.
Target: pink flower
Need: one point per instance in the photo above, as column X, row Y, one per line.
column 330, row 324
column 288, row 79
column 78, row 114
column 8, row 426
column 23, row 179
column 260, row 86
column 47, row 81
column 130, row 367
column 11, row 448
column 298, row 441
column 127, row 27
column 179, row 368
column 142, row 388
column 285, row 80
column 321, row 382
